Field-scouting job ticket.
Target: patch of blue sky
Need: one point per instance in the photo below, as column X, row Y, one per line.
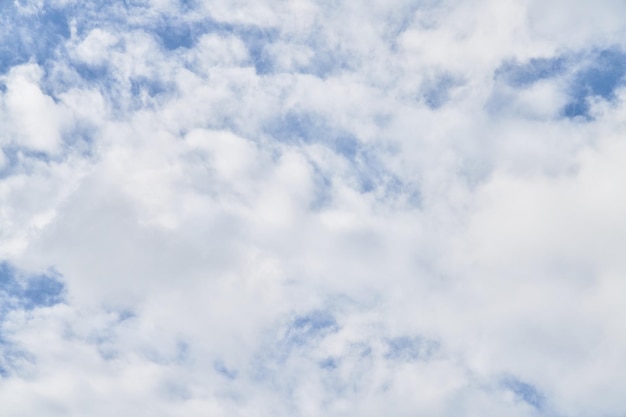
column 21, row 160
column 294, row 338
column 323, row 194
column 586, row 74
column 33, row 36
column 174, row 33
column 103, row 340
column 183, row 351
column 410, row 349
column 123, row 95
column 327, row 61
column 220, row 367
column 188, row 5
column 125, row 315
column 329, row 364
column 257, row 41
column 79, row 139
column 524, row 74
column 299, row 128
column 21, row 291
column 373, row 176
column 92, row 74
column 401, row 20
column 436, row 91
column 12, row 358
column 409, row 191
column 43, row 291
column 89, row 15
column 37, row 36
column 305, row 128
column 174, row 36
column 152, row 88
column 368, row 171
column 310, row 327
column 525, row 392
column 40, row 35
column 604, row 73
column 371, row 172
column 119, row 93
column 171, row 352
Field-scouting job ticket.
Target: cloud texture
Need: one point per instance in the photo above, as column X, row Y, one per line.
column 312, row 208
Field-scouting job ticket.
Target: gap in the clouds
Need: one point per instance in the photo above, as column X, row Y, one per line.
column 20, row 290
column 94, row 74
column 38, row 36
column 601, row 78
column 368, row 173
column 142, row 88
column 177, row 33
column 257, row 40
column 104, row 339
column 323, row 184
column 80, row 140
column 436, row 90
column 125, row 315
column 175, row 351
column 524, row 74
column 174, row 33
column 525, row 392
column 227, row 372
column 124, row 95
column 21, row 160
column 310, row 327
column 327, row 61
column 305, row 127
column 188, row 5
column 409, row 349
column 584, row 76
column 320, row 342
column 12, row 358
column 33, row 36
column 329, row 364
column 294, row 339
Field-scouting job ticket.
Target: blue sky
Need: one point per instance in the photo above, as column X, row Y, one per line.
column 312, row 208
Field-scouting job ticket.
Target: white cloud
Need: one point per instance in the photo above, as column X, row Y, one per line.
column 33, row 119
column 93, row 50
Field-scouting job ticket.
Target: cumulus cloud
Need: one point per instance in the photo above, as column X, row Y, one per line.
column 311, row 208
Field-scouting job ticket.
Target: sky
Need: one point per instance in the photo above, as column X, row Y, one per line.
column 302, row 208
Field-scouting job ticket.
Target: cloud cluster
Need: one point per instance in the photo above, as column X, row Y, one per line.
column 312, row 208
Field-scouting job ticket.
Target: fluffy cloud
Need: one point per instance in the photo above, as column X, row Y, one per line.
column 313, row 208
